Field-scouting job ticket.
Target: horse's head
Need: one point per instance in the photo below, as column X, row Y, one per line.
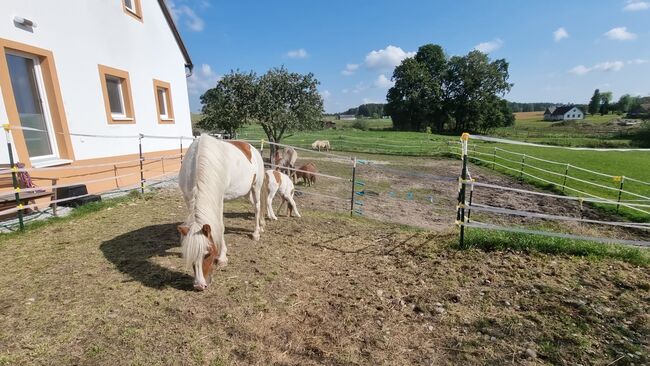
column 199, row 251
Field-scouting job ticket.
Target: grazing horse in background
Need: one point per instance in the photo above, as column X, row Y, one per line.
column 286, row 158
column 306, row 172
column 213, row 171
column 321, row 145
column 280, row 183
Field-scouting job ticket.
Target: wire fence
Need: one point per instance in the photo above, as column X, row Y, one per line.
column 518, row 167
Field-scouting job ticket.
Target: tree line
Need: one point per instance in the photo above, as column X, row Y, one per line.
column 370, row 110
column 454, row 94
column 601, row 102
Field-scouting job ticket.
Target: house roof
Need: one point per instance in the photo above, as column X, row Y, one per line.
column 177, row 35
column 560, row 111
column 550, row 110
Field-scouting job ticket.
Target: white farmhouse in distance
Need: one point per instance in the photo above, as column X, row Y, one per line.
column 92, row 67
column 563, row 113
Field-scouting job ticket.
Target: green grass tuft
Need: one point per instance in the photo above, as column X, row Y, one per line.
column 499, row 240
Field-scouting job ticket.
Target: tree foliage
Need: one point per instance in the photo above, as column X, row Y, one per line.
column 594, row 104
column 280, row 101
column 461, row 93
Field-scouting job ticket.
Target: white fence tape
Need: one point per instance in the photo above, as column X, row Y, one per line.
column 513, row 142
column 306, row 171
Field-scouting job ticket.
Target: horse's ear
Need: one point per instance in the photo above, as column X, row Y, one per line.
column 183, row 230
column 206, row 230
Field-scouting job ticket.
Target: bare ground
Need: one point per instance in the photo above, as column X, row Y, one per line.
column 109, row 288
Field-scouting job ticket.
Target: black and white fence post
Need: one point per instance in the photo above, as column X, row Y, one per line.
column 460, row 215
column 354, row 176
column 14, row 178
column 141, row 164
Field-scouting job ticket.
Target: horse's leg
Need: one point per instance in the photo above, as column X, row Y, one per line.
column 256, row 200
column 222, row 261
column 269, row 203
column 281, row 204
column 292, row 205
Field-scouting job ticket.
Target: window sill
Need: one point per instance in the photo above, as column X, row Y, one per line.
column 166, row 120
column 50, row 162
column 122, row 120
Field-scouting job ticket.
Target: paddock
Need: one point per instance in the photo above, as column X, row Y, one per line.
column 378, row 288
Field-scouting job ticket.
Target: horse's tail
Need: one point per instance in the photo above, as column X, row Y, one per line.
column 263, row 196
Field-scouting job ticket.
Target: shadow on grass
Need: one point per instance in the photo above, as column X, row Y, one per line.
column 131, row 253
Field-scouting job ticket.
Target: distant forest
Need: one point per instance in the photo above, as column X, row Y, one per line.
column 376, row 110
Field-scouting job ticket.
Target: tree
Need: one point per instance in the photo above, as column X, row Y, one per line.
column 604, row 108
column 594, row 104
column 624, row 103
column 433, row 91
column 287, row 102
column 229, row 105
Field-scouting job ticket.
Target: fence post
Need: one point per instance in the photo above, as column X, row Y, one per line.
column 354, row 176
column 521, row 171
column 14, row 179
column 566, row 173
column 141, row 164
column 620, row 191
column 460, row 216
column 494, row 159
column 181, row 148
column 262, row 147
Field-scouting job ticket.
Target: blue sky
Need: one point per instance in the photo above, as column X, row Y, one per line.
column 559, row 51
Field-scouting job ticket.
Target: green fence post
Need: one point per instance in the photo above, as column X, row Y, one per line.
column 566, row 173
column 620, row 191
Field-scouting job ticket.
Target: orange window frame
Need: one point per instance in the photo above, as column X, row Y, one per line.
column 168, row 102
column 52, row 92
column 137, row 14
column 127, row 95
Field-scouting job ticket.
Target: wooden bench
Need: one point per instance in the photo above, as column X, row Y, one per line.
column 8, row 199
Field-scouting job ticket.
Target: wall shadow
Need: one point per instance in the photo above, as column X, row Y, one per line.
column 131, row 253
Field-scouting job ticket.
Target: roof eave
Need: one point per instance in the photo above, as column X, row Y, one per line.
column 172, row 25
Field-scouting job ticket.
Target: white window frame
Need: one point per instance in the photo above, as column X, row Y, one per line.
column 132, row 10
column 43, row 160
column 117, row 116
column 164, row 102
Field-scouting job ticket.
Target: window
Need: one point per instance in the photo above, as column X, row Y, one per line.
column 133, row 8
column 117, row 95
column 164, row 106
column 31, row 96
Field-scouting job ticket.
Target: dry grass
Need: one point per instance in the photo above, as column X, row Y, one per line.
column 108, row 288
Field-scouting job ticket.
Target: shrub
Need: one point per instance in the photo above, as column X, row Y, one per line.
column 360, row 124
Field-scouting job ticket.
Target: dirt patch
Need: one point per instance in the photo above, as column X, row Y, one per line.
column 109, row 288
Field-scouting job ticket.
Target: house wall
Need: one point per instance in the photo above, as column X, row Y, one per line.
column 82, row 34
column 573, row 114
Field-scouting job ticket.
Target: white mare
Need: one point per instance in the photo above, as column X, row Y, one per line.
column 214, row 171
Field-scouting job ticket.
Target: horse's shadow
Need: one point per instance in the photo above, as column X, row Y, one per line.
column 131, row 253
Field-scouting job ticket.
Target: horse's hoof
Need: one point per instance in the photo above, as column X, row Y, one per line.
column 256, row 236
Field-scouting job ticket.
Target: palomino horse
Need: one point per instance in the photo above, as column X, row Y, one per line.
column 321, row 145
column 280, row 183
column 213, row 171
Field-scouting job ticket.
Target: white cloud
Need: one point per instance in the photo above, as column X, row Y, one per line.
column 637, row 61
column 185, row 14
column 636, row 5
column 350, row 69
column 387, row 58
column 326, row 94
column 299, row 53
column 608, row 66
column 620, row 34
column 560, row 34
column 487, row 47
column 202, row 79
column 383, row 82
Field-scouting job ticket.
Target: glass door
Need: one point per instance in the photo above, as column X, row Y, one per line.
column 30, row 97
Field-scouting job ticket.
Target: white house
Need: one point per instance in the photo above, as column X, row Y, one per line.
column 563, row 113
column 93, row 67
column 347, row 117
